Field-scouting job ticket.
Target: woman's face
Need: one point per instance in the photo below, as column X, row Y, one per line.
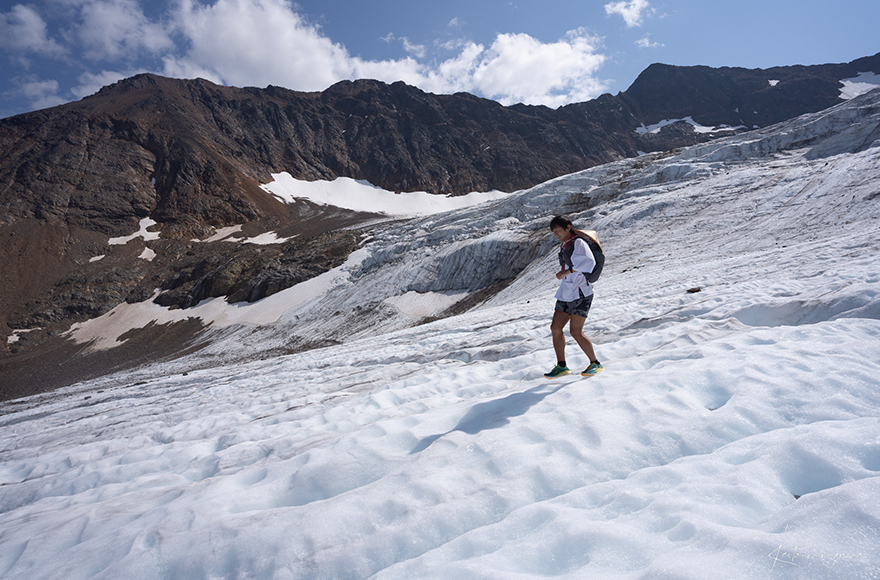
column 562, row 234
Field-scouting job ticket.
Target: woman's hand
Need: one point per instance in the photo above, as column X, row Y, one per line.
column 562, row 274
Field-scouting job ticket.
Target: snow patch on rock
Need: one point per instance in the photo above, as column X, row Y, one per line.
column 656, row 127
column 147, row 236
column 106, row 331
column 859, row 85
column 359, row 195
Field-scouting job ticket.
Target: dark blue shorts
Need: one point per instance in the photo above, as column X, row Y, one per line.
column 579, row 307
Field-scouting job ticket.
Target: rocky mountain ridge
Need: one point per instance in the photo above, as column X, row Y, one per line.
column 191, row 155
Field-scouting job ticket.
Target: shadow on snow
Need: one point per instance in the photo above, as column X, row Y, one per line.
column 492, row 414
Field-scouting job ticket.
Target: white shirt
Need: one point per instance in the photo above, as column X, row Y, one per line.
column 583, row 261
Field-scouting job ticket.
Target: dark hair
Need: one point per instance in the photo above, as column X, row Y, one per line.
column 560, row 221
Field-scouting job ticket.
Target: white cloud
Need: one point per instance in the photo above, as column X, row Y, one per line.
column 416, row 50
column 519, row 68
column 633, row 12
column 453, row 74
column 646, row 42
column 408, row 70
column 515, row 68
column 118, row 29
column 41, row 94
column 257, row 42
column 455, row 23
column 23, row 30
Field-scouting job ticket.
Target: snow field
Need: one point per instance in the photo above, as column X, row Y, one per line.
column 443, row 449
column 734, row 433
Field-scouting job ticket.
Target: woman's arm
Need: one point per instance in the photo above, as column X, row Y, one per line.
column 582, row 257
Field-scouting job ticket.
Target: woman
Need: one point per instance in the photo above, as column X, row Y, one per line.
column 574, row 297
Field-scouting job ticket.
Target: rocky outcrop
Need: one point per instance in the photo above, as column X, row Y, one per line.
column 250, row 272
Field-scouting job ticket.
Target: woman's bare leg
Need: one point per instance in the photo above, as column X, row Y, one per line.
column 576, row 328
column 560, row 319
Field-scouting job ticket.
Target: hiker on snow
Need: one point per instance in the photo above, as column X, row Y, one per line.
column 574, row 297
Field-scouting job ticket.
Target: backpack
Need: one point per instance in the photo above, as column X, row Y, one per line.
column 593, row 243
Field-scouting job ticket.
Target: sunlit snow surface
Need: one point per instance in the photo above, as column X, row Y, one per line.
column 859, row 85
column 440, row 451
column 360, row 195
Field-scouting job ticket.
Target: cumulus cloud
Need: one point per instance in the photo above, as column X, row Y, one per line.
column 254, row 43
column 22, row 29
column 519, row 68
column 118, row 29
column 633, row 12
column 516, row 68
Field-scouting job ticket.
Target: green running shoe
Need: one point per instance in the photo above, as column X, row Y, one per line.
column 594, row 369
column 557, row 371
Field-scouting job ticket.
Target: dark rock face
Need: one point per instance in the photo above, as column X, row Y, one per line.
column 738, row 96
column 191, row 155
column 249, row 272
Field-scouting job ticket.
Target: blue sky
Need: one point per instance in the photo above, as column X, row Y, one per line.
column 537, row 52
